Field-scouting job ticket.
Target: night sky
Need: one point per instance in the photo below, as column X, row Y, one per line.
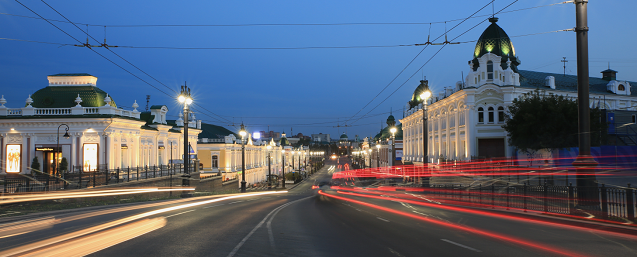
column 307, row 86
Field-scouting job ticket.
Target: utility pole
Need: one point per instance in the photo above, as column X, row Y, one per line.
column 584, row 163
column 147, row 101
column 564, row 61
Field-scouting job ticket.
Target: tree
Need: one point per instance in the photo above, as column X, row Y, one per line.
column 64, row 164
column 547, row 121
column 35, row 164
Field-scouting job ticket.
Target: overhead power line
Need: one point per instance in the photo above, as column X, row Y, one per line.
column 281, row 24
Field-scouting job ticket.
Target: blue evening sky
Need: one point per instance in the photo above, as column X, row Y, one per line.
column 309, row 90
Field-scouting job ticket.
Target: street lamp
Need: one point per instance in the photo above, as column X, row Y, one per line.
column 283, row 166
column 378, row 156
column 243, row 134
column 370, row 157
column 393, row 146
column 269, row 168
column 186, row 99
column 58, row 157
column 425, row 135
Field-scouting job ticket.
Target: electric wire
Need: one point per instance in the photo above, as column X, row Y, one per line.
column 412, row 60
column 430, row 60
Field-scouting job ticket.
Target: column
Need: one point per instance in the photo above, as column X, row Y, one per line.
column 458, row 140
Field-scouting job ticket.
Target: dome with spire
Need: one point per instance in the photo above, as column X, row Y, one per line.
column 494, row 40
column 343, row 137
column 284, row 140
column 415, row 98
column 391, row 121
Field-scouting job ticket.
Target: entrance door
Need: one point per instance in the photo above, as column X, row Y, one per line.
column 49, row 163
column 491, row 147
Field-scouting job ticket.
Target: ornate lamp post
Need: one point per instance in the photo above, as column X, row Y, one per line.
column 58, row 157
column 243, row 134
column 370, row 157
column 377, row 155
column 393, row 146
column 269, row 166
column 186, row 99
column 283, row 166
column 425, row 135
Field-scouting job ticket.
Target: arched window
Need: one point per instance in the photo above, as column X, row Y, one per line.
column 215, row 161
column 500, row 114
column 489, row 70
column 480, row 115
column 491, row 114
column 621, row 87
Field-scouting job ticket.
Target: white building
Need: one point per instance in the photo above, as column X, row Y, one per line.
column 100, row 133
column 465, row 120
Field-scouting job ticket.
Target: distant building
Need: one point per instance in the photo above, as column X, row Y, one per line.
column 321, row 138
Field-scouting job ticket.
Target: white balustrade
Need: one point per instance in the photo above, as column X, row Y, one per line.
column 14, row 112
column 52, row 111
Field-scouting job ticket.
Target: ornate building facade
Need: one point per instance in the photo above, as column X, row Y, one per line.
column 99, row 133
column 465, row 120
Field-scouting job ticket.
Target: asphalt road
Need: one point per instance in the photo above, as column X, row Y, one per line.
column 303, row 222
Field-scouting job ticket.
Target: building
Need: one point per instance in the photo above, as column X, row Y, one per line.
column 465, row 120
column 100, row 134
column 321, row 138
column 382, row 156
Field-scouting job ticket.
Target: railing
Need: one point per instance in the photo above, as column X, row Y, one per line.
column 52, row 111
column 91, row 110
column 79, row 178
column 611, row 203
column 14, row 112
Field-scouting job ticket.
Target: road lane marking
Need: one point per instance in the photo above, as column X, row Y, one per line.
column 461, row 245
column 236, row 248
column 235, row 202
column 179, row 213
column 382, row 219
column 213, row 206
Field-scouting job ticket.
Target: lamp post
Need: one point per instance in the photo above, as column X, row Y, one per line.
column 269, row 166
column 378, row 156
column 243, row 134
column 283, row 166
column 425, row 135
column 370, row 157
column 186, row 99
column 58, row 158
column 393, row 146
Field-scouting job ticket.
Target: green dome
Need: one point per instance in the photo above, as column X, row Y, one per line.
column 284, row 141
column 64, row 97
column 494, row 40
column 344, row 136
column 415, row 98
column 391, row 121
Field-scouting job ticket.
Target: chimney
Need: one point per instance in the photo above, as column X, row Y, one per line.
column 609, row 75
column 550, row 82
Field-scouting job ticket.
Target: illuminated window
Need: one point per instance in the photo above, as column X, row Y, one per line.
column 491, row 114
column 480, row 115
column 489, row 70
column 500, row 114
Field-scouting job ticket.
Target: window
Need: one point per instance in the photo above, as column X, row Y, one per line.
column 500, row 114
column 491, row 114
column 461, row 119
column 489, row 70
column 621, row 87
column 480, row 115
column 215, row 161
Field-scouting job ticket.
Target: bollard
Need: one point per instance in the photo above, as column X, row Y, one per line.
column 604, row 202
column 137, row 173
column 128, row 174
column 117, row 180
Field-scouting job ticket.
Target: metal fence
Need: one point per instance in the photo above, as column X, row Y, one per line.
column 611, row 203
column 78, row 177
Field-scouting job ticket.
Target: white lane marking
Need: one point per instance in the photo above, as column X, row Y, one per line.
column 419, row 213
column 235, row 202
column 179, row 213
column 236, row 248
column 213, row 206
column 382, row 219
column 461, row 245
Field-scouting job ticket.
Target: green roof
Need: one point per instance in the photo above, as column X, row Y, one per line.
column 64, row 97
column 384, row 134
column 415, row 98
column 494, row 40
column 535, row 79
column 344, row 135
column 156, row 107
column 214, row 131
column 284, row 141
column 71, row 75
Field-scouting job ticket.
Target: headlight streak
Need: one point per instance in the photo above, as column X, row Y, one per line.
column 39, row 197
column 467, row 229
column 94, row 229
column 25, row 226
column 101, row 240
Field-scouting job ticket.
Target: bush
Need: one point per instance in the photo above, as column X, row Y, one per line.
column 64, row 165
column 35, row 164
